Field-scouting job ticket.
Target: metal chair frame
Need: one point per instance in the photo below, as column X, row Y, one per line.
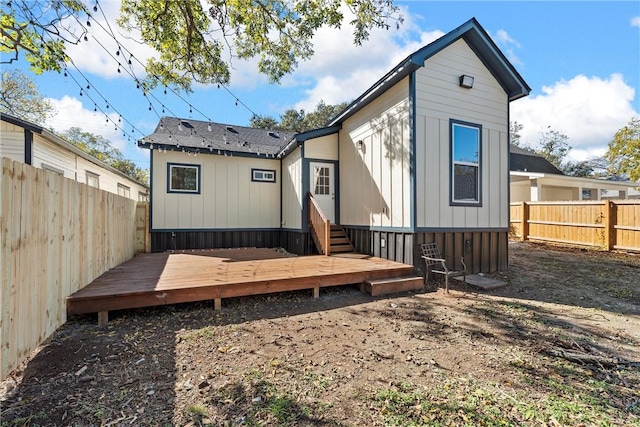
column 432, row 257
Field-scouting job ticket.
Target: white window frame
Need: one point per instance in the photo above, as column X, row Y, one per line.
column 51, row 169
column 124, row 190
column 91, row 175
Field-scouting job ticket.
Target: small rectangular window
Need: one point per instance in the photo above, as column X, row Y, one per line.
column 465, row 163
column 51, row 169
column 93, row 179
column 143, row 197
column 263, row 175
column 123, row 190
column 183, row 178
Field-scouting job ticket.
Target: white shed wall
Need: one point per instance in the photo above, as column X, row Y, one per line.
column 228, row 197
column 439, row 98
column 375, row 180
column 292, row 197
column 50, row 154
column 11, row 141
column 107, row 180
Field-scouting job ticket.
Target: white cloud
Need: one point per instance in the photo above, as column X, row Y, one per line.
column 589, row 110
column 508, row 46
column 70, row 113
column 635, row 21
column 341, row 71
column 98, row 54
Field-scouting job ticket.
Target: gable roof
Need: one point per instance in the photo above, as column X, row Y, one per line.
column 522, row 160
column 477, row 39
column 200, row 136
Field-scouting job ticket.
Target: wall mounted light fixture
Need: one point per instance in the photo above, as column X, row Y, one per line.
column 466, row 81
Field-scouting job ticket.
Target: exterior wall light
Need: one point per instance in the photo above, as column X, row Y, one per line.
column 466, row 81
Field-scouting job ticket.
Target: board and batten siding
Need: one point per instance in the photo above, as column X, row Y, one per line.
column 375, row 175
column 324, row 147
column 292, row 197
column 439, row 98
column 228, row 198
column 11, row 141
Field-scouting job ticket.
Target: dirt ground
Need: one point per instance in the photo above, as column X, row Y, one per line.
column 560, row 345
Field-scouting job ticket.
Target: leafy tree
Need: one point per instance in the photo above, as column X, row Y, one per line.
column 194, row 41
column 264, row 122
column 554, row 147
column 19, row 97
column 101, row 148
column 593, row 167
column 298, row 120
column 514, row 133
column 624, row 151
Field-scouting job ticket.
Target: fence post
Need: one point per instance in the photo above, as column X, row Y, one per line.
column 607, row 220
column 524, row 226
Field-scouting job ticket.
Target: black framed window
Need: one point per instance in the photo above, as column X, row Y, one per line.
column 466, row 173
column 183, row 178
column 263, row 175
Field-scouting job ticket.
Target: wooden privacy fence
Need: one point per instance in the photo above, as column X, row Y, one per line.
column 56, row 236
column 605, row 224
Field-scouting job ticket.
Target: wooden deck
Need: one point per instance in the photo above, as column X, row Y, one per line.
column 170, row 278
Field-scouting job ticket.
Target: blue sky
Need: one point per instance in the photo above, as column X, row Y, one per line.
column 581, row 59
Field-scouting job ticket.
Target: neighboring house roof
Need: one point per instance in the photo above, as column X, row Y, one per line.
column 523, row 160
column 195, row 135
column 64, row 144
column 477, row 39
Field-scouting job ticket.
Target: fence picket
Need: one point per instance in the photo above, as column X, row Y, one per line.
column 56, row 236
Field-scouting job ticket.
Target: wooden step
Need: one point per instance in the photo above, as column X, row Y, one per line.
column 392, row 286
column 341, row 248
column 340, row 241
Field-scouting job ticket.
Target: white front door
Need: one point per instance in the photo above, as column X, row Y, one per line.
column 323, row 188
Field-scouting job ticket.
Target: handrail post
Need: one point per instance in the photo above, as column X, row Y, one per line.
column 327, row 237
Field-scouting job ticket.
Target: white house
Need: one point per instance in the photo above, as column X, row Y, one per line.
column 34, row 145
column 533, row 179
column 422, row 155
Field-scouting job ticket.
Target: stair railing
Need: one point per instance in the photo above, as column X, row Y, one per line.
column 320, row 227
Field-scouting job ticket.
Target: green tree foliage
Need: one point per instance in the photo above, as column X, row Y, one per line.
column 102, row 149
column 624, row 151
column 298, row 120
column 19, row 97
column 554, row 147
column 195, row 41
column 40, row 29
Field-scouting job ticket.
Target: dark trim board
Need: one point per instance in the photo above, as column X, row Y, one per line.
column 484, row 251
column 295, row 241
column 28, row 147
column 185, row 240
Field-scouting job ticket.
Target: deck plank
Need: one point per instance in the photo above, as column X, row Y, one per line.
column 169, row 278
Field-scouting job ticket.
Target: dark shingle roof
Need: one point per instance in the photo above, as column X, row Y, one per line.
column 523, row 160
column 174, row 132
